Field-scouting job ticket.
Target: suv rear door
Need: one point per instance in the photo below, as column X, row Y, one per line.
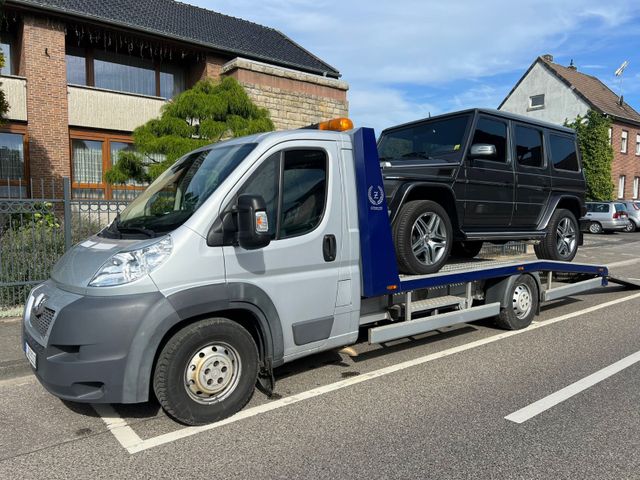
column 533, row 181
column 489, row 190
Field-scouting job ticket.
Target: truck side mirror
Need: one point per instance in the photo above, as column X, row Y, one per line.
column 253, row 222
column 479, row 150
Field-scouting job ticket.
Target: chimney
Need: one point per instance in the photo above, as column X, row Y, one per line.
column 621, row 101
column 572, row 66
column 548, row 57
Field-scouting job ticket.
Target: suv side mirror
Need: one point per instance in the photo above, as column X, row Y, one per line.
column 483, row 150
column 253, row 223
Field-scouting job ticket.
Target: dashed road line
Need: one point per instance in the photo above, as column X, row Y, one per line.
column 566, row 393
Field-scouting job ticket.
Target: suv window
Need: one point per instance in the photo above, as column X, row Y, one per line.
column 492, row 132
column 529, row 147
column 295, row 205
column 563, row 153
column 621, row 207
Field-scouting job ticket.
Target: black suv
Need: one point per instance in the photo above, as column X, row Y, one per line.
column 455, row 181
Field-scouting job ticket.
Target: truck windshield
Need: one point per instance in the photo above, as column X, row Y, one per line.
column 441, row 139
column 176, row 194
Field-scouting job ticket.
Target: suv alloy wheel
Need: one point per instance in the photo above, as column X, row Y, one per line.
column 562, row 238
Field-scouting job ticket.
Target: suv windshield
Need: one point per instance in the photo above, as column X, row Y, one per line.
column 176, row 194
column 442, row 139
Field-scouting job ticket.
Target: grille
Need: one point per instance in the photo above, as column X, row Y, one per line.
column 39, row 349
column 42, row 323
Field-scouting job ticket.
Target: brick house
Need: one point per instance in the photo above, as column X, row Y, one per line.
column 555, row 93
column 81, row 75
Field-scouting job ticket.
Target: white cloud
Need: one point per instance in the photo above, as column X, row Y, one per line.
column 388, row 50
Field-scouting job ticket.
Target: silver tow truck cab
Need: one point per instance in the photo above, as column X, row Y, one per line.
column 245, row 255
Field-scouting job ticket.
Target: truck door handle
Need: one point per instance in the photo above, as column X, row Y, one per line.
column 329, row 248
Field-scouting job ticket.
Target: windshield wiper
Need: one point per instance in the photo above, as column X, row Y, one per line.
column 145, row 231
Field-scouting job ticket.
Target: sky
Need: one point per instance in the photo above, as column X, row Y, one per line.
column 409, row 59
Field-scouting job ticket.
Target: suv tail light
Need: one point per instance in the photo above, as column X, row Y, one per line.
column 619, row 215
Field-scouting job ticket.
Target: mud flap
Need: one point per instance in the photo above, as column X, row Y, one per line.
column 266, row 381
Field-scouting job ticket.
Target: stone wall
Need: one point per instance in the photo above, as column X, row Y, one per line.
column 293, row 98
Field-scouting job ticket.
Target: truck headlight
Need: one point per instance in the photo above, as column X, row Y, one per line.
column 125, row 267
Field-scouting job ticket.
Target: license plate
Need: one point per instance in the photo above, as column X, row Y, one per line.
column 31, row 355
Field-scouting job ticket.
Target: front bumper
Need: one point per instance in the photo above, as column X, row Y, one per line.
column 92, row 349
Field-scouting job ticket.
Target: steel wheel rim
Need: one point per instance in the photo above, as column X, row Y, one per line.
column 212, row 373
column 566, row 237
column 429, row 238
column 522, row 300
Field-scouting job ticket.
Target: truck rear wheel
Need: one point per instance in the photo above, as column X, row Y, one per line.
column 468, row 249
column 422, row 236
column 561, row 241
column 522, row 304
column 206, row 372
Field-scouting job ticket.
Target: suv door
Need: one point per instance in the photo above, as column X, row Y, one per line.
column 489, row 188
column 533, row 181
column 299, row 270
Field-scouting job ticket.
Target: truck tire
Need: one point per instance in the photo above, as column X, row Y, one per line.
column 468, row 249
column 206, row 372
column 523, row 298
column 422, row 236
column 562, row 237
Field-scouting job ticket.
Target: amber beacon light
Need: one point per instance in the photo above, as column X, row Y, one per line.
column 336, row 124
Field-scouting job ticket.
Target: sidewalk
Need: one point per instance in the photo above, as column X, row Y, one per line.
column 12, row 360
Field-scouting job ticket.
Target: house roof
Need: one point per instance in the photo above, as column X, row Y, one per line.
column 191, row 24
column 593, row 91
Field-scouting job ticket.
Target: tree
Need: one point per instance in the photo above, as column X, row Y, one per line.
column 4, row 105
column 207, row 113
column 597, row 153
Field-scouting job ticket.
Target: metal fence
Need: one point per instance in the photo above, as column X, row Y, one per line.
column 39, row 221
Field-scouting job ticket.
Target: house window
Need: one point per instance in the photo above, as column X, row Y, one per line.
column 536, row 101
column 7, row 51
column 637, row 143
column 13, row 162
column 636, row 187
column 621, row 182
column 92, row 155
column 623, row 142
column 610, row 136
column 123, row 73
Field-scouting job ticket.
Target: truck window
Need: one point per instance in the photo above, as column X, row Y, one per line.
column 264, row 181
column 529, row 147
column 304, row 194
column 304, row 179
column 492, row 132
column 563, row 153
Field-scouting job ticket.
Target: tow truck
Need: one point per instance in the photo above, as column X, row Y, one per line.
column 249, row 254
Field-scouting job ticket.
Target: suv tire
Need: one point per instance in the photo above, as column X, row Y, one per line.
column 595, row 227
column 631, row 227
column 562, row 238
column 206, row 372
column 468, row 249
column 422, row 236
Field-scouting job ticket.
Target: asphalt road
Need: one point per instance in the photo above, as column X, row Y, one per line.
column 433, row 406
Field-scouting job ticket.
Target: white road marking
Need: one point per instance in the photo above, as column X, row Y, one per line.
column 624, row 262
column 560, row 396
column 127, row 437
column 134, row 444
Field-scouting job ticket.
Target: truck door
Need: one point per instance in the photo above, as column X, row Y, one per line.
column 533, row 182
column 299, row 270
column 489, row 180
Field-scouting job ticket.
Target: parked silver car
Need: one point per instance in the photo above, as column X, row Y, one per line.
column 633, row 210
column 605, row 217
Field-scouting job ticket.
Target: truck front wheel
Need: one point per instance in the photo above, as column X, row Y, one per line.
column 422, row 235
column 206, row 372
